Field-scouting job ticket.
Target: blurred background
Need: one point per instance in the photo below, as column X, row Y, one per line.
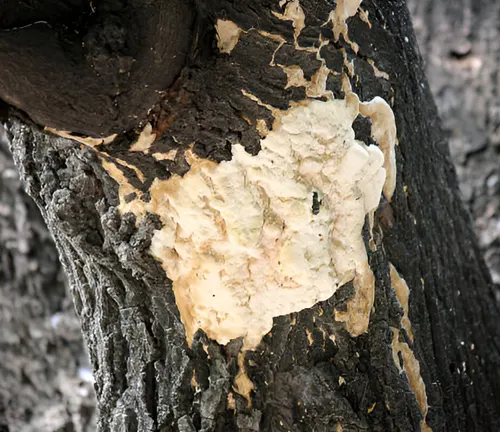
column 45, row 378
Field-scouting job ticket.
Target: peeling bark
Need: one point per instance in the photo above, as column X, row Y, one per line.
column 309, row 372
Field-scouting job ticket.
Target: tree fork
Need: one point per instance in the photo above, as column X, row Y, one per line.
column 408, row 341
column 95, row 68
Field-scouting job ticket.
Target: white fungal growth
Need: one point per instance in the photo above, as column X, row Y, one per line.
column 240, row 239
column 402, row 294
column 363, row 15
column 384, row 133
column 295, row 76
column 316, row 87
column 378, row 73
column 411, row 365
column 170, row 155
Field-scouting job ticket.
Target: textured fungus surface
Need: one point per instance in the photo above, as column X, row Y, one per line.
column 241, row 241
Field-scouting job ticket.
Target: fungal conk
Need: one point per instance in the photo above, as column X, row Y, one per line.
column 260, row 236
column 246, row 240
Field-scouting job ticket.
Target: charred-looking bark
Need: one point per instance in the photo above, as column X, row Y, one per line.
column 283, row 246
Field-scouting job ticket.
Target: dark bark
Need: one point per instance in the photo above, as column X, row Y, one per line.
column 143, row 367
column 112, row 57
column 462, row 62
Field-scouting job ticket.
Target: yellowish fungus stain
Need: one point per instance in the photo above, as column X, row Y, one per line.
column 344, row 10
column 89, row 141
column 228, row 35
column 145, row 140
column 403, row 294
column 242, row 384
column 410, row 366
column 295, row 14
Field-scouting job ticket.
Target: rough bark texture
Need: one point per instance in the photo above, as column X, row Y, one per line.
column 42, row 387
column 145, row 373
column 458, row 43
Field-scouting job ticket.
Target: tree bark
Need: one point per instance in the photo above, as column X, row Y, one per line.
column 462, row 65
column 429, row 362
column 102, row 52
column 41, row 350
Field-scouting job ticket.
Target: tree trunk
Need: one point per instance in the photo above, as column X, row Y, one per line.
column 42, row 358
column 206, row 300
column 458, row 43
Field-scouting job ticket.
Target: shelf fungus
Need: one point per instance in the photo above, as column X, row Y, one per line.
column 261, row 236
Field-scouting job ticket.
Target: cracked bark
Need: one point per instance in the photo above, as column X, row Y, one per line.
column 41, row 349
column 462, row 66
column 146, row 376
